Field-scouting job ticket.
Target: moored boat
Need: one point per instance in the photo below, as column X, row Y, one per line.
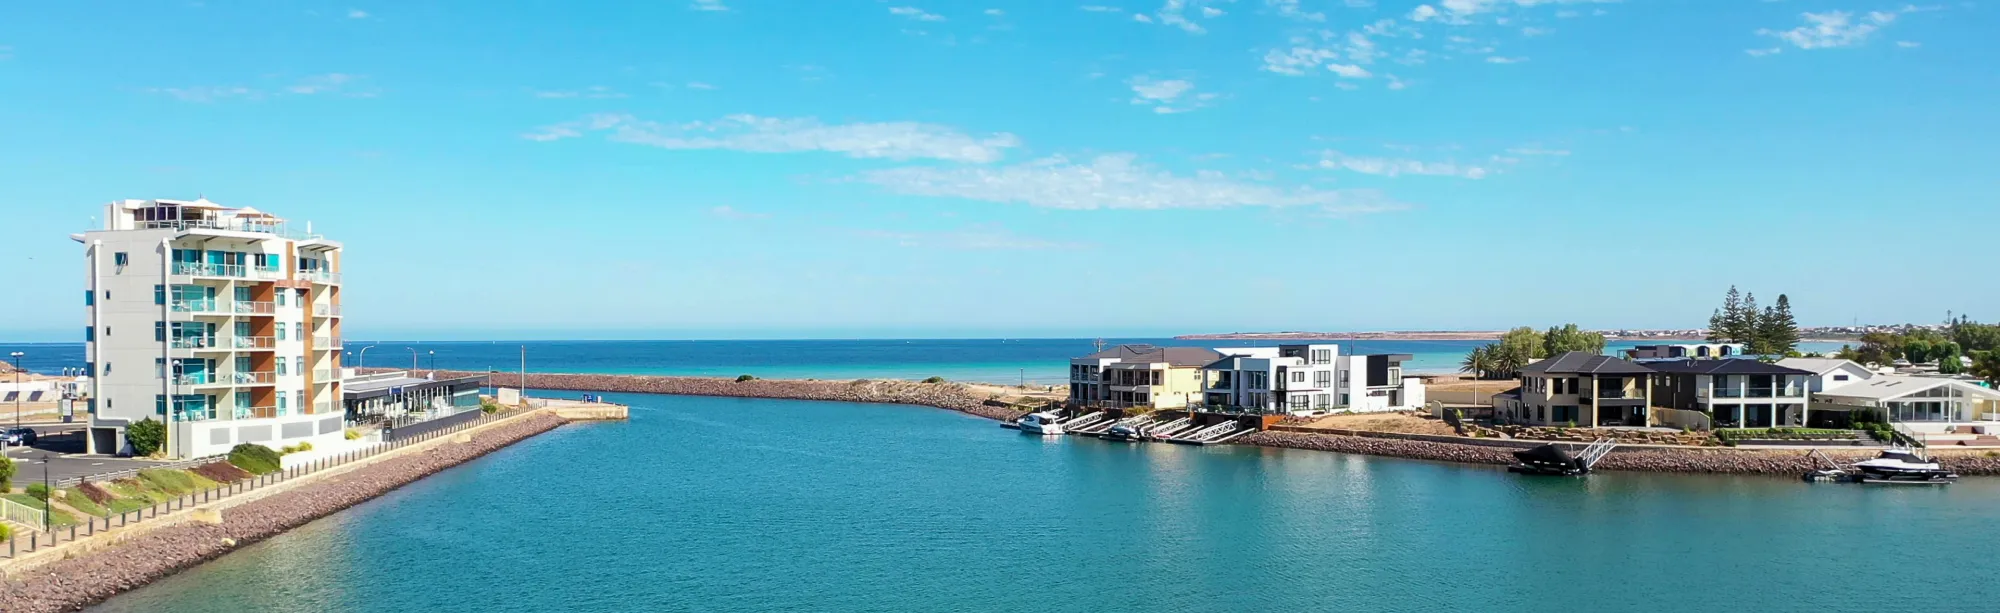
column 1047, row 424
column 1125, row 433
column 1548, row 460
column 1903, row 466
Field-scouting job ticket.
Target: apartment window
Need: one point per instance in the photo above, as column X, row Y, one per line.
column 299, row 332
column 281, row 365
column 1298, row 376
column 159, row 294
column 1343, row 379
column 159, row 368
column 107, row 331
column 1343, row 400
column 1322, row 356
column 281, row 332
column 1299, row 402
column 1396, row 374
column 107, row 368
column 1840, row 377
column 89, row 298
column 89, row 334
column 159, row 332
column 281, row 298
column 120, row 259
column 1320, row 401
column 281, row 401
column 1323, row 378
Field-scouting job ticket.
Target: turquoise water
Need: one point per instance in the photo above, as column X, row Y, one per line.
column 736, row 505
column 1044, row 361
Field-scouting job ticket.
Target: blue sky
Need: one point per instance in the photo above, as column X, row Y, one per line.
column 757, row 168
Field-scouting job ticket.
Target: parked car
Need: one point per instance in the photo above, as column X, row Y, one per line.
column 19, row 437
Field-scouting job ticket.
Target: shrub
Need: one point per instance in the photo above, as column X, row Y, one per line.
column 6, row 474
column 146, row 437
column 6, row 532
column 39, row 490
column 221, row 472
column 486, row 405
column 96, row 493
column 82, row 502
column 174, row 482
column 355, row 435
column 255, row 458
column 934, row 380
column 742, row 378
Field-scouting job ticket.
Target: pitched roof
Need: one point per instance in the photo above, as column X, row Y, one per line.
column 1177, row 356
column 1818, row 366
column 1728, row 366
column 1578, row 362
column 1883, row 387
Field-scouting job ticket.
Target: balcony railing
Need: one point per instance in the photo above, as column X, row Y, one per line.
column 260, row 377
column 203, row 269
column 198, row 379
column 255, row 308
column 1758, row 392
column 326, row 342
column 326, row 310
column 324, row 375
column 1728, row 392
column 1614, row 394
column 256, row 342
column 233, row 225
column 322, row 407
column 193, row 342
column 320, row 276
column 267, row 274
column 196, row 306
column 256, row 412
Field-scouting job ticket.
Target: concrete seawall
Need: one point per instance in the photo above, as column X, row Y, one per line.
column 146, row 553
column 1789, row 463
column 950, row 396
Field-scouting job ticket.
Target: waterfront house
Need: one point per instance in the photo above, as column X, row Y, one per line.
column 1736, row 393
column 224, row 323
column 1146, row 376
column 1308, row 379
column 1578, row 389
column 1685, row 350
column 398, row 399
column 1919, row 404
column 1829, row 373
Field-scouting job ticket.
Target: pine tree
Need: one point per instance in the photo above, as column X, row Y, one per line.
column 1777, row 330
column 1747, row 325
column 1729, row 321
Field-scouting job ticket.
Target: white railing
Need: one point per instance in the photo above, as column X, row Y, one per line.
column 326, row 310
column 193, row 342
column 255, row 308
column 267, row 274
column 197, row 306
column 256, row 342
column 326, row 342
column 320, row 276
column 324, row 375
column 203, row 269
column 21, row 513
column 232, row 225
column 260, row 377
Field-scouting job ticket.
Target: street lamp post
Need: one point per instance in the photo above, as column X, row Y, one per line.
column 413, row 357
column 362, row 359
column 48, row 512
column 434, row 358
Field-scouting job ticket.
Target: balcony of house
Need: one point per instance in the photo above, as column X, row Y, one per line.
column 323, row 376
column 209, row 224
column 255, row 343
column 262, row 273
column 246, row 307
column 1125, row 380
column 201, row 380
column 324, row 343
column 199, row 307
column 196, row 343
column 1221, row 383
column 320, row 276
column 255, row 377
column 322, row 407
column 256, row 412
column 326, row 310
column 185, row 271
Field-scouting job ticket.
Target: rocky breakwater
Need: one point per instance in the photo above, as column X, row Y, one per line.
column 952, row 396
column 1788, row 463
column 77, row 582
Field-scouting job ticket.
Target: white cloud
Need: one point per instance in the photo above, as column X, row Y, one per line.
column 699, row 85
column 1297, row 60
column 1908, row 44
column 901, row 140
column 206, row 93
column 1832, row 29
column 1112, row 182
column 1165, row 95
column 729, row 212
column 1290, row 9
column 1174, row 13
column 1391, row 167
column 1211, row 12
column 915, row 13
column 1505, row 60
column 1099, row 8
column 1349, row 71
column 357, row 14
column 1763, row 52
column 981, row 238
column 995, row 12
column 708, row 5
column 594, row 92
column 6, row 52
column 1142, row 18
column 1537, row 151
column 1532, row 32
column 320, row 84
column 328, row 83
column 1395, row 83
column 1423, row 12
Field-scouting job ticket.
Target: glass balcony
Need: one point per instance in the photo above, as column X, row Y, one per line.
column 326, row 310
column 204, row 269
column 255, row 308
column 326, row 342
column 326, row 277
column 204, row 307
column 1728, row 392
column 267, row 274
column 256, row 342
column 193, row 342
column 260, row 377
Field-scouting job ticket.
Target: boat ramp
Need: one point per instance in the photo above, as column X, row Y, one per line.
column 1183, row 427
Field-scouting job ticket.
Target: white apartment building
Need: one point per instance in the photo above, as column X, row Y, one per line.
column 224, row 323
column 1309, row 378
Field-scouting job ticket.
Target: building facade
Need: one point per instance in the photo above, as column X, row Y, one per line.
column 1736, row 393
column 1578, row 389
column 224, row 323
column 1139, row 376
column 1697, row 351
column 1307, row 379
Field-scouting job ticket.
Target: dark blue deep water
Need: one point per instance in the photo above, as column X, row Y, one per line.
column 735, row 505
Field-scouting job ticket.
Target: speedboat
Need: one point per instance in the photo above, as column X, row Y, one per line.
column 1547, row 460
column 1040, row 423
column 1900, row 465
column 1124, row 432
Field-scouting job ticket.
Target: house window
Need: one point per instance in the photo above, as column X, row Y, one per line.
column 281, row 298
column 1298, row 376
column 89, row 334
column 1299, row 402
column 281, row 404
column 159, row 332
column 1323, row 378
column 159, row 294
column 1343, row 379
column 281, row 333
column 281, row 367
column 89, row 298
column 120, row 259
column 1343, row 400
column 1321, row 401
column 1840, row 377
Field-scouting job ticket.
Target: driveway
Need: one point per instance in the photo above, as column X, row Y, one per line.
column 62, row 444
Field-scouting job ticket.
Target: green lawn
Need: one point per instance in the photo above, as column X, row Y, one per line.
column 59, row 517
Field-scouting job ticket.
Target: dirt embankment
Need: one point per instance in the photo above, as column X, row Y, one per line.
column 953, row 396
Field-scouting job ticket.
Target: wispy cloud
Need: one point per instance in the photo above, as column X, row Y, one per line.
column 6, row 52
column 978, row 238
column 890, row 140
column 1505, row 60
column 357, row 14
column 1349, row 71
column 1099, row 8
column 320, row 84
column 708, row 5
column 1391, row 167
column 207, row 93
column 915, row 13
column 594, row 92
column 1533, row 150
column 1908, row 44
column 1167, row 96
column 1290, row 9
column 1116, row 181
column 329, row 83
column 994, row 12
column 1833, row 29
column 1175, row 13
column 729, row 212
column 699, row 85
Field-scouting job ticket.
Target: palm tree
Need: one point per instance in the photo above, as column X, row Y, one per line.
column 1479, row 362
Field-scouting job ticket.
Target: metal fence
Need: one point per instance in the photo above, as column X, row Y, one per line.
column 36, row 539
column 20, row 513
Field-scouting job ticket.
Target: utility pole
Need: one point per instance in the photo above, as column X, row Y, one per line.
column 17, row 387
column 524, row 375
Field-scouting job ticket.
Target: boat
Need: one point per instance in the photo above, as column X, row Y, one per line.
column 1047, row 424
column 1124, row 432
column 1902, row 466
column 1547, row 460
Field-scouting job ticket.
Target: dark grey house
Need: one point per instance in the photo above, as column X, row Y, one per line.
column 1737, row 393
column 1579, row 389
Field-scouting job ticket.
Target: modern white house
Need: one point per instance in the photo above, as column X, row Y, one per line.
column 1307, row 379
column 1138, row 376
column 1829, row 373
column 222, row 322
column 1921, row 404
column 1685, row 350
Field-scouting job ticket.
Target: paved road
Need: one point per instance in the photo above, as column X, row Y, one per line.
column 62, row 444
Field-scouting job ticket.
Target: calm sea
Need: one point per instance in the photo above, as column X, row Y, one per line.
column 737, row 505
column 1043, row 361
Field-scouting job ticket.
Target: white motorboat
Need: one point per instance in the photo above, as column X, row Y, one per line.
column 1902, row 465
column 1040, row 423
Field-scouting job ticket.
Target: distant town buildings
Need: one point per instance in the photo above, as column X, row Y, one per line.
column 1295, row 379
